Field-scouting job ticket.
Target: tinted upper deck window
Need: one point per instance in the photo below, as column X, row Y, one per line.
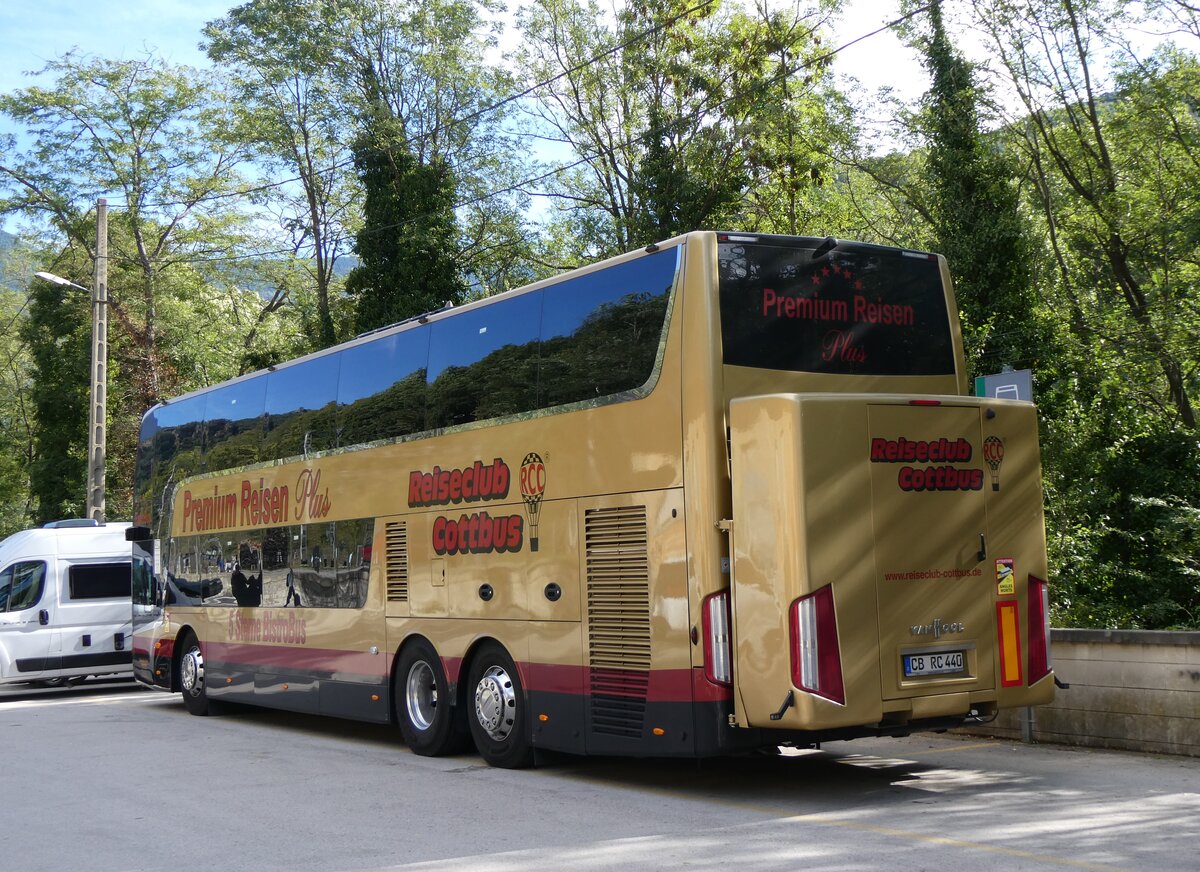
column 483, row 362
column 853, row 310
column 381, row 392
column 233, row 423
column 601, row 331
column 302, row 408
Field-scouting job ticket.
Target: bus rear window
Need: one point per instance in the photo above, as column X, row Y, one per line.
column 851, row 310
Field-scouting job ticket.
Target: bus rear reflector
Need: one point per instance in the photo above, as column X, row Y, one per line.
column 1008, row 632
column 714, row 615
column 1039, row 629
column 816, row 660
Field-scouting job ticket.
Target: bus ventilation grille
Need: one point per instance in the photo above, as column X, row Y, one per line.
column 396, row 565
column 618, row 603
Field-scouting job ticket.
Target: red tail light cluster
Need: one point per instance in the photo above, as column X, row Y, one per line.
column 816, row 660
column 1039, row 629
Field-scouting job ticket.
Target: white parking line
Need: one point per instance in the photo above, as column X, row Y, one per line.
column 135, row 697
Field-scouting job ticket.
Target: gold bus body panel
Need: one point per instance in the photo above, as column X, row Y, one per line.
column 818, row 500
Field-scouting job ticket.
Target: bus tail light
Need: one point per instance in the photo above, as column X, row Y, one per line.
column 1039, row 629
column 718, row 658
column 816, row 660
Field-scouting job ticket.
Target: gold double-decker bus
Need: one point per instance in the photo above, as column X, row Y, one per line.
column 723, row 493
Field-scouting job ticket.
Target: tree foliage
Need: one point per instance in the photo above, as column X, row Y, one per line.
column 409, row 237
column 1070, row 220
column 976, row 214
column 682, row 115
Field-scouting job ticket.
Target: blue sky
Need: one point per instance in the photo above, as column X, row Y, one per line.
column 35, row 31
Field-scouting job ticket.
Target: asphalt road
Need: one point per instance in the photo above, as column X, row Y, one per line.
column 108, row 776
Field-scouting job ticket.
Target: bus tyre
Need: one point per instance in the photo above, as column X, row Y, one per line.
column 430, row 724
column 191, row 677
column 499, row 715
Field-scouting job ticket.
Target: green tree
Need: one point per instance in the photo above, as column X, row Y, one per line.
column 1110, row 140
column 407, row 246
column 683, row 115
column 282, row 59
column 152, row 138
column 976, row 214
column 430, row 108
column 16, row 412
column 58, row 335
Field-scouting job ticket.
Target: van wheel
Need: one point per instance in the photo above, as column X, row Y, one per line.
column 430, row 724
column 58, row 682
column 191, row 677
column 499, row 715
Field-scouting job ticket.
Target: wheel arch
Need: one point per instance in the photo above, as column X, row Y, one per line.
column 182, row 633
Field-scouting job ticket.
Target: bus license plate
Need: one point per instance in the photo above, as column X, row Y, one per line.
column 940, row 663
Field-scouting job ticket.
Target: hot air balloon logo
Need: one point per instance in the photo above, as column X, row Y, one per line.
column 533, row 485
column 993, row 453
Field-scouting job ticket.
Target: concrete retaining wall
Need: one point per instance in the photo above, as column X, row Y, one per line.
column 1132, row 689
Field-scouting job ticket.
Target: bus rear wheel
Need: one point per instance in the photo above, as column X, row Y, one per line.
column 431, row 726
column 499, row 715
column 191, row 677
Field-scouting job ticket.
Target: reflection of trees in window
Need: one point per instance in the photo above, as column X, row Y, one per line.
column 585, row 340
column 613, row 350
column 234, row 423
column 233, row 443
column 396, row 411
column 143, row 474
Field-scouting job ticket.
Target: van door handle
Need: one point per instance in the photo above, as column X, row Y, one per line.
column 43, row 617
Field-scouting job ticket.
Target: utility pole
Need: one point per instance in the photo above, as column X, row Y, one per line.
column 98, row 415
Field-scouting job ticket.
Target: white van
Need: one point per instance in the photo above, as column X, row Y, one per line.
column 65, row 603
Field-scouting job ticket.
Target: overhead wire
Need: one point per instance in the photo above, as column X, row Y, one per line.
column 455, row 122
column 604, row 152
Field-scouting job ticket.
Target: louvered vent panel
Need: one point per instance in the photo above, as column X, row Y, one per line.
column 396, row 565
column 618, row 602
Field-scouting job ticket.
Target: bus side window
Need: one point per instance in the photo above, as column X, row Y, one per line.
column 301, row 407
column 484, row 363
column 177, row 450
column 233, row 424
column 381, row 390
column 601, row 331
column 90, row 581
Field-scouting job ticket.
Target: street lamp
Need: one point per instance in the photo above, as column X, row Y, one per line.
column 98, row 414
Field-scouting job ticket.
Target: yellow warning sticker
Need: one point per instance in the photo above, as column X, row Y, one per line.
column 1006, row 579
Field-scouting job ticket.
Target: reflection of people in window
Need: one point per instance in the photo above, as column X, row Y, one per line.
column 247, row 591
column 293, row 596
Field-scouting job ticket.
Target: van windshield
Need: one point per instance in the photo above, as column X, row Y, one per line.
column 811, row 305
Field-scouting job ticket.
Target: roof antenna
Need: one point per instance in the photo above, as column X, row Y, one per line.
column 827, row 245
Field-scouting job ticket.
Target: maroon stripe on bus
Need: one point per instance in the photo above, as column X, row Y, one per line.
column 140, row 645
column 662, row 685
column 299, row 659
